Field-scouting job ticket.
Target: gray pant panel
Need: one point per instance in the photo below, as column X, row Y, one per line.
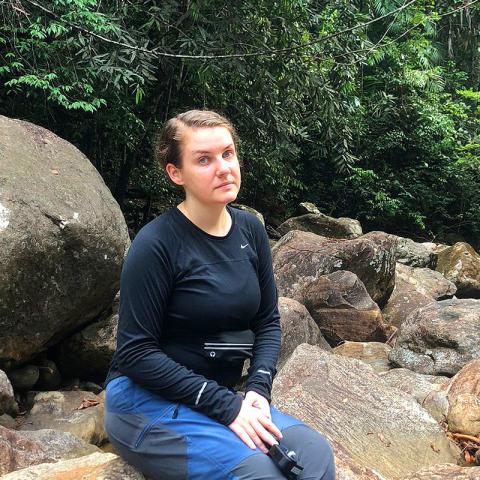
column 156, row 451
column 313, row 451
column 257, row 467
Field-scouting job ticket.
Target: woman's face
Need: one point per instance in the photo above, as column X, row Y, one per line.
column 209, row 172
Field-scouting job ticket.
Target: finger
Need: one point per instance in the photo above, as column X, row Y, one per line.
column 271, row 427
column 265, row 436
column 256, row 436
column 244, row 437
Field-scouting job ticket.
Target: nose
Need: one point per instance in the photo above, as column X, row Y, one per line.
column 223, row 166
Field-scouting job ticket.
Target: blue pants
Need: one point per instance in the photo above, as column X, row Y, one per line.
column 170, row 441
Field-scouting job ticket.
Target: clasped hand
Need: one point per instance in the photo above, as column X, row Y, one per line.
column 254, row 423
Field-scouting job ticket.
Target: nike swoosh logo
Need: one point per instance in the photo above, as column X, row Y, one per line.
column 243, row 246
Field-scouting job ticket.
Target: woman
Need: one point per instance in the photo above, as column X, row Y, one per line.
column 198, row 297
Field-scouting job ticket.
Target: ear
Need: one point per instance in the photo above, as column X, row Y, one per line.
column 174, row 173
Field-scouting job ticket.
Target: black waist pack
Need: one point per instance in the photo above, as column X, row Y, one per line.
column 233, row 346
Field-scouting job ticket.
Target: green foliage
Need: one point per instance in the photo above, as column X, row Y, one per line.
column 379, row 122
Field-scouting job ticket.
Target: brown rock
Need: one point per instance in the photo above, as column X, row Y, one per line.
column 374, row 354
column 297, row 327
column 347, row 469
column 17, row 451
column 464, row 400
column 379, row 426
column 430, row 391
column 322, row 224
column 405, row 299
column 426, row 281
column 446, row 472
column 415, row 288
column 77, row 412
column 439, row 339
column 299, row 258
column 343, row 309
column 97, row 466
column 461, row 265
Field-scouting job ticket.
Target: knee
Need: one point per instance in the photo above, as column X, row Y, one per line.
column 314, row 452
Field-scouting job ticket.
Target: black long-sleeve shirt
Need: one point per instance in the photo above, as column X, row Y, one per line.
column 184, row 295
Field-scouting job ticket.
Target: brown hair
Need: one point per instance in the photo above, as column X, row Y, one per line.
column 167, row 147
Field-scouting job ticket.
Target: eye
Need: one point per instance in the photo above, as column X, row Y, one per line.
column 203, row 160
column 228, row 154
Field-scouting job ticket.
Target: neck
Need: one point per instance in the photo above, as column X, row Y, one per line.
column 214, row 220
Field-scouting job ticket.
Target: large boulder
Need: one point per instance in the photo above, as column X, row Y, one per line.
column 62, row 243
column 347, row 469
column 426, row 281
column 322, row 224
column 414, row 288
column 23, row 449
column 297, row 327
column 464, row 400
column 430, row 391
column 415, row 254
column 380, row 427
column 77, row 412
column 96, row 466
column 343, row 309
column 439, row 339
column 461, row 265
column 299, row 258
column 446, row 472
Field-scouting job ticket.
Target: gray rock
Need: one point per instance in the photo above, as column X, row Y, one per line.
column 62, row 243
column 380, row 427
column 251, row 210
column 7, row 400
column 101, row 466
column 299, row 258
column 324, row 225
column 88, row 353
column 24, row 378
column 439, row 339
column 8, row 422
column 60, row 445
column 49, row 376
column 414, row 254
column 306, row 207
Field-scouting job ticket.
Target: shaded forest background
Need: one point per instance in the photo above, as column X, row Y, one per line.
column 368, row 108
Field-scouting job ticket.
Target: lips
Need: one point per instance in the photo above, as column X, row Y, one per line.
column 225, row 184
